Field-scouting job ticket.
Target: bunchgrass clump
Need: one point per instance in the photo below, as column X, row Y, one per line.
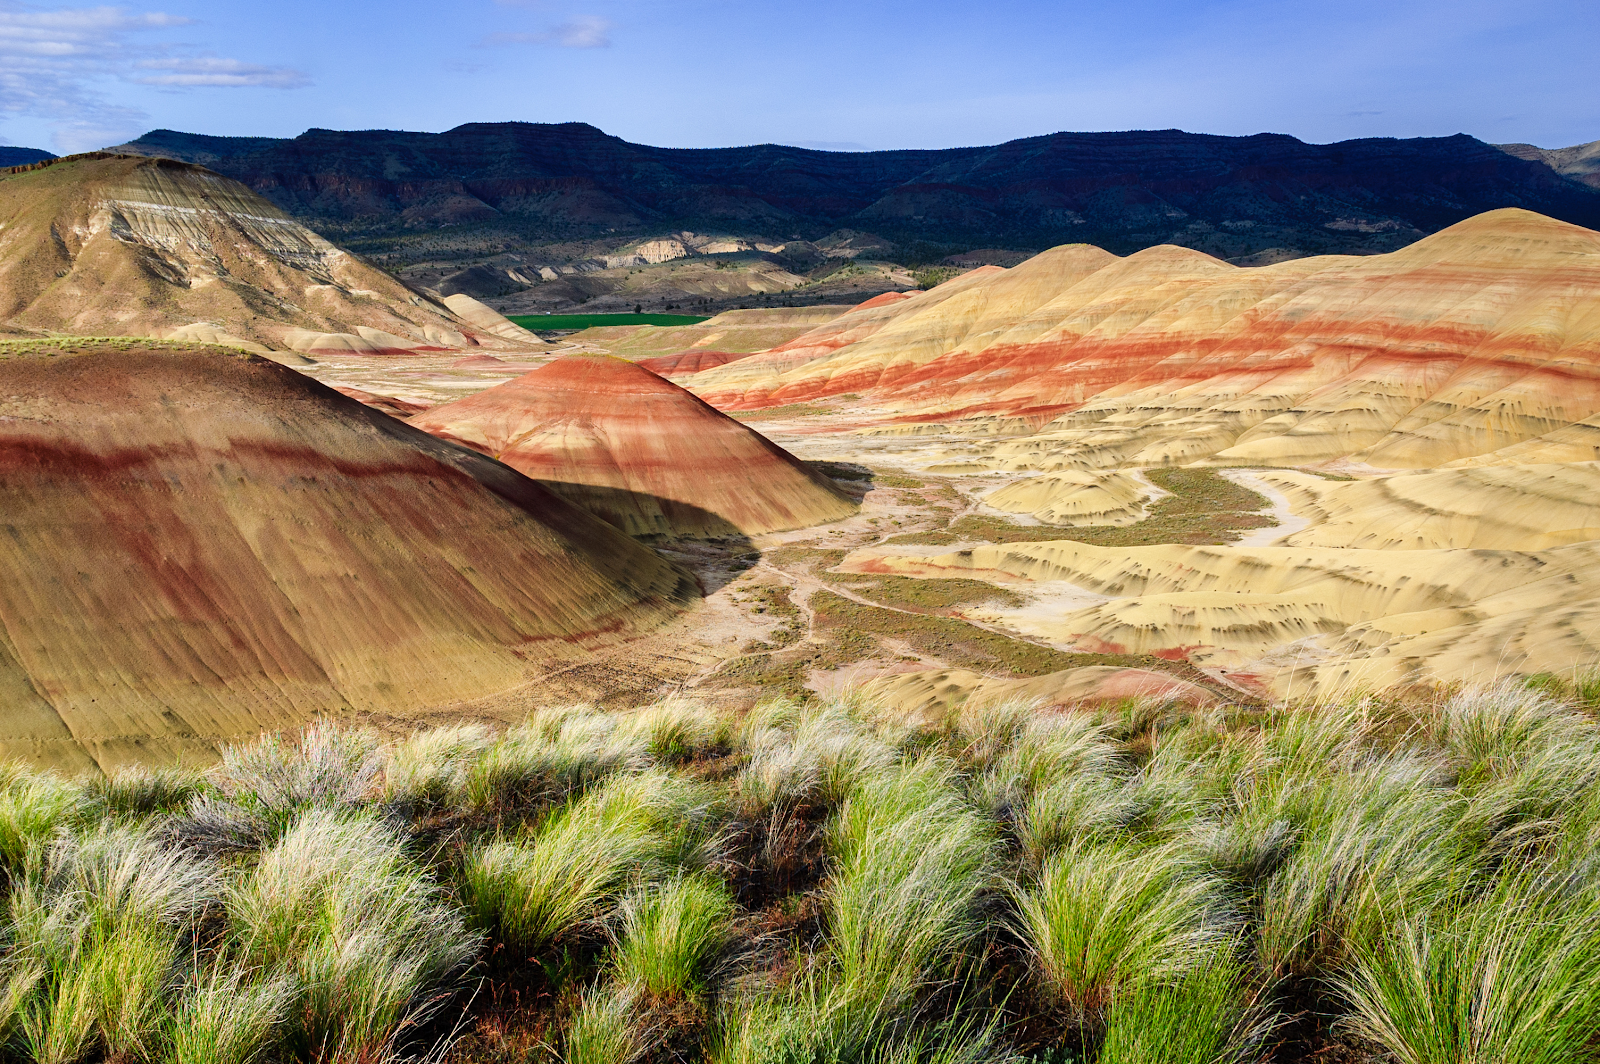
column 912, row 861
column 1511, row 977
column 1103, row 918
column 1202, row 1014
column 672, row 934
column 367, row 937
column 229, row 1015
column 575, row 867
column 1408, row 879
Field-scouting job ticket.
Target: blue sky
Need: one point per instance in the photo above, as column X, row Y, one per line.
column 831, row 73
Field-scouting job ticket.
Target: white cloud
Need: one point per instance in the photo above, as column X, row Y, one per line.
column 55, row 65
column 228, row 73
column 73, row 32
column 583, row 31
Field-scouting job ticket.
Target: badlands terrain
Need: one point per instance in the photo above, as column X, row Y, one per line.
column 1092, row 657
column 1084, row 476
column 1302, row 478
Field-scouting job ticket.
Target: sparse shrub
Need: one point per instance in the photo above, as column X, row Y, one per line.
column 263, row 786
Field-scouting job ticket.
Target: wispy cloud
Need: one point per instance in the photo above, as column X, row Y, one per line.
column 583, row 31
column 55, row 63
column 225, row 73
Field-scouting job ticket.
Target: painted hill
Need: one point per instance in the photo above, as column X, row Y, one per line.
column 1230, row 196
column 685, row 363
column 1478, row 344
column 200, row 545
column 639, row 451
column 125, row 245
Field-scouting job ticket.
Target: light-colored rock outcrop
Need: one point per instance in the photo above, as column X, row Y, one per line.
column 491, row 321
column 1075, row 497
column 106, row 245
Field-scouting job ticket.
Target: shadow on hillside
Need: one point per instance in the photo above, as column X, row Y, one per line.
column 716, row 556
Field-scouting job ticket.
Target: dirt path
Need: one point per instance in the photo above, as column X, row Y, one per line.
column 1288, row 521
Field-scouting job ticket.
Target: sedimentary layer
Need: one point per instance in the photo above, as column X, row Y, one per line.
column 106, row 245
column 1479, row 344
column 199, row 546
column 1302, row 619
column 639, row 451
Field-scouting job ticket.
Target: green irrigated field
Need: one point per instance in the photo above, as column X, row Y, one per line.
column 547, row 322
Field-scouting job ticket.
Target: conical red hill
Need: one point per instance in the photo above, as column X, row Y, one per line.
column 639, row 451
column 198, row 546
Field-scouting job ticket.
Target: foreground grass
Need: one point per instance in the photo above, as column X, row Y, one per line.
column 1408, row 881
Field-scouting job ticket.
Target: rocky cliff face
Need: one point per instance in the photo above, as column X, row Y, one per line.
column 1268, row 195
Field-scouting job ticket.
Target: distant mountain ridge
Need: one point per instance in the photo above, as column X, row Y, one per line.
column 13, row 156
column 1267, row 195
column 1581, row 162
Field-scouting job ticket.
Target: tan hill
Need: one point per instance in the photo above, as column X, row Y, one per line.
column 734, row 332
column 491, row 321
column 1479, row 343
column 1581, row 162
column 639, row 451
column 109, row 245
column 686, row 363
column 201, row 545
column 1457, row 380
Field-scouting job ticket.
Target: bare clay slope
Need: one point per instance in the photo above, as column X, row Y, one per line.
column 639, row 451
column 126, row 246
column 198, row 546
column 1480, row 343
